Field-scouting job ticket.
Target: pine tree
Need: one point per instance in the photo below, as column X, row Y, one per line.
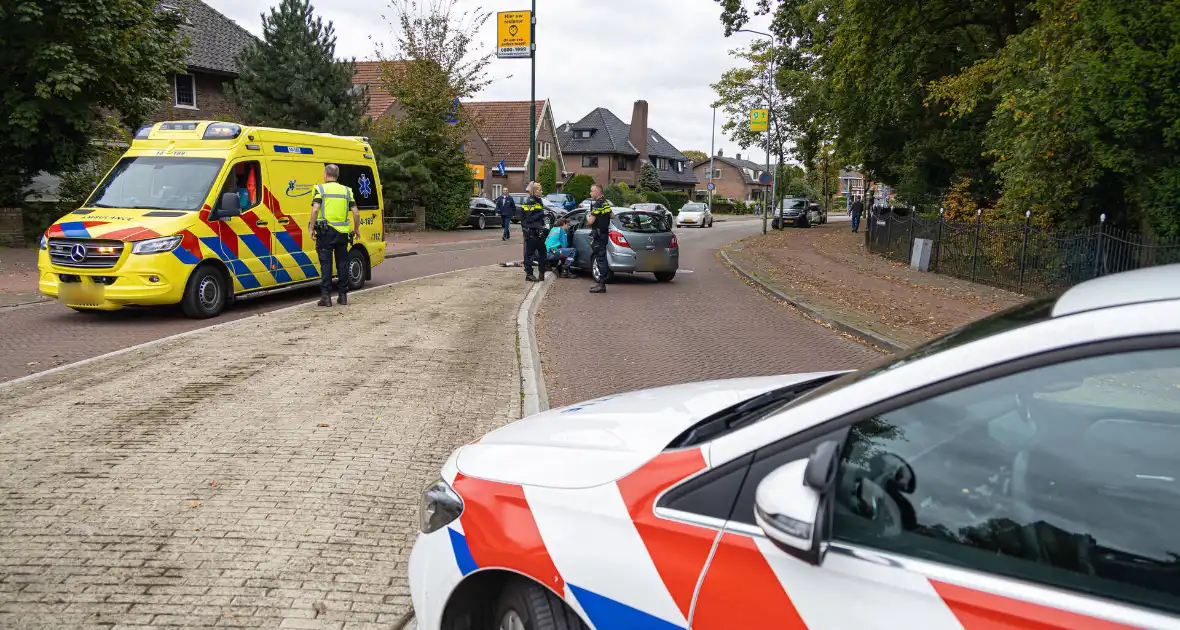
column 292, row 79
column 547, row 176
column 649, row 179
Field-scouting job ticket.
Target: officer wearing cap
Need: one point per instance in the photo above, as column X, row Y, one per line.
column 599, row 224
column 331, row 204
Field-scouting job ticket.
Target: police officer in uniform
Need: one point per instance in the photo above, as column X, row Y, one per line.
column 331, row 204
column 532, row 223
column 599, row 224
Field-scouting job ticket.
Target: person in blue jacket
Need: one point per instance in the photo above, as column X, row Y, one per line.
column 557, row 247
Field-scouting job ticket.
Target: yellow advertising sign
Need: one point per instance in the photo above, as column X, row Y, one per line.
column 476, row 171
column 514, row 34
column 759, row 120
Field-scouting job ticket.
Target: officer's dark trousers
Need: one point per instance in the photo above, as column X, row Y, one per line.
column 534, row 246
column 331, row 242
column 598, row 255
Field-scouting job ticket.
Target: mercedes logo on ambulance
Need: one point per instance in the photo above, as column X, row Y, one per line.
column 78, row 253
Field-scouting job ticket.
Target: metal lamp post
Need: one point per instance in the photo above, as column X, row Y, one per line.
column 770, row 110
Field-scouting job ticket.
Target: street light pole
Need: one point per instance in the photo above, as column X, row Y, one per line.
column 712, row 152
column 770, row 117
column 533, row 95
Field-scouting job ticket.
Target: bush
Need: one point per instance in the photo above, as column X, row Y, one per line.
column 721, row 206
column 547, row 176
column 621, row 194
column 676, row 199
column 740, row 207
column 649, row 178
column 579, row 187
column 655, row 197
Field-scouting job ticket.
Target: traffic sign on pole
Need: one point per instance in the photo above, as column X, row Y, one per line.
column 712, row 185
column 759, row 120
column 514, row 34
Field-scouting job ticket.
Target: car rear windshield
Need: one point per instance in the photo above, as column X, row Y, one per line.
column 693, row 207
column 157, row 183
column 557, row 197
column 642, row 221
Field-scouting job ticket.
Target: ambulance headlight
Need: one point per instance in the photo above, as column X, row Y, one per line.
column 440, row 506
column 156, row 245
column 44, row 241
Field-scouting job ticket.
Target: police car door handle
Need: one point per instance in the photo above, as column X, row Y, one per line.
column 282, row 221
column 261, row 224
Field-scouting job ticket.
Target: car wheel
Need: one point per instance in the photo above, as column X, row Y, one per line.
column 597, row 275
column 481, row 223
column 665, row 276
column 205, row 293
column 357, row 266
column 526, row 605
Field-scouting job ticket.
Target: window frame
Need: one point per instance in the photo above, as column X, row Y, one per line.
column 838, row 428
column 176, row 90
column 361, row 203
column 590, row 158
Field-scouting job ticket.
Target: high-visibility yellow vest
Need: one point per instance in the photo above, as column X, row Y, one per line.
column 335, row 200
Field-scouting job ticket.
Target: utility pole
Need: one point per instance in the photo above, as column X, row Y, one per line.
column 769, row 108
column 533, row 94
column 712, row 152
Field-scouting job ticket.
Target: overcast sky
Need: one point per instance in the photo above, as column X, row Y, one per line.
column 590, row 53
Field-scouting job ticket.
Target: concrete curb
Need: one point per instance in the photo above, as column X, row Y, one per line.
column 534, row 398
column 147, row 344
column 813, row 312
column 400, row 254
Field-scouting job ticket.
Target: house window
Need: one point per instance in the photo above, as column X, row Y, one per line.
column 545, row 150
column 186, row 91
column 497, row 190
column 716, row 174
column 622, row 164
column 583, row 133
column 679, row 166
column 589, row 161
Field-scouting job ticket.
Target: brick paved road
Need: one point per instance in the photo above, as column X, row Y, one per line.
column 213, row 479
column 704, row 325
column 37, row 337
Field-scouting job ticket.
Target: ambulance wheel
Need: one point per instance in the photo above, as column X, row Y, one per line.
column 526, row 605
column 205, row 295
column 357, row 266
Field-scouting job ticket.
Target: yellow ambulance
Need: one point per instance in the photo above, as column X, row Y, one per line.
column 200, row 212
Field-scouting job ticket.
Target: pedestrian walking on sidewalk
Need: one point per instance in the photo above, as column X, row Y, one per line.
column 532, row 223
column 599, row 223
column 333, row 232
column 858, row 208
column 506, row 208
column 557, row 246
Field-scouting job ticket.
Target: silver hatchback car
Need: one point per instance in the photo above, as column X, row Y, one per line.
column 640, row 241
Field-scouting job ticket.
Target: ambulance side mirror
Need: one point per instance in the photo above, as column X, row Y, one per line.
column 229, row 206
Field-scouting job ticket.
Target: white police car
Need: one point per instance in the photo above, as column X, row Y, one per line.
column 1021, row 472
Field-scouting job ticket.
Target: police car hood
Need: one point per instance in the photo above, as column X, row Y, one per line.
column 602, row 440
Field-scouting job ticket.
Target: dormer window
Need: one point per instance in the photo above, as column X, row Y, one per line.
column 583, row 134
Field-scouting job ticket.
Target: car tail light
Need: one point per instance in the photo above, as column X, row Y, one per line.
column 675, row 243
column 618, row 239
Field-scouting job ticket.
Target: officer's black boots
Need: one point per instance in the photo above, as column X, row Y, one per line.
column 598, row 288
column 530, row 278
column 324, row 302
column 343, row 301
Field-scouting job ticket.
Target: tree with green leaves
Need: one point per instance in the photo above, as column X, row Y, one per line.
column 547, row 176
column 292, row 79
column 420, row 155
column 66, row 62
column 696, row 156
column 649, row 179
column 579, row 187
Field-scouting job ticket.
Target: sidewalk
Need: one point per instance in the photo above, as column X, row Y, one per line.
column 828, row 269
column 18, row 276
column 251, row 473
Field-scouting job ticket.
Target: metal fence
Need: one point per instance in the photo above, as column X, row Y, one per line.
column 1016, row 256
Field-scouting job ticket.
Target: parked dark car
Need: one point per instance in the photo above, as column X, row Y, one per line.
column 482, row 213
column 794, row 212
column 551, row 211
column 561, row 199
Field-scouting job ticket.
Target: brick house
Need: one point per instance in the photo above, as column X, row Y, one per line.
column 215, row 42
column 611, row 151
column 499, row 131
column 851, row 183
column 733, row 178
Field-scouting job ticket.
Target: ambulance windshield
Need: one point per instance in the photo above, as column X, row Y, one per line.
column 157, row 183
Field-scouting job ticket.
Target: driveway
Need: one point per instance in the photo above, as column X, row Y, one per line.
column 250, row 475
column 706, row 324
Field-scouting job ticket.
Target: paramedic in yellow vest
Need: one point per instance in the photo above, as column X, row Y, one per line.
column 333, row 230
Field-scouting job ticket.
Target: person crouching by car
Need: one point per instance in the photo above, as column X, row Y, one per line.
column 557, row 246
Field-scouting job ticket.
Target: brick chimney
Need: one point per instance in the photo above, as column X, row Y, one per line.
column 638, row 135
column 739, row 156
column 720, row 153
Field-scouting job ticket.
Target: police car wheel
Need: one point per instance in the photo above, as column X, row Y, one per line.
column 205, row 294
column 525, row 605
column 356, row 270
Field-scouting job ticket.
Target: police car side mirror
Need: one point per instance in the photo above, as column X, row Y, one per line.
column 793, row 504
column 230, row 206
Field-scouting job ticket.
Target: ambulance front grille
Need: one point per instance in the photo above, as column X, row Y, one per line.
column 85, row 253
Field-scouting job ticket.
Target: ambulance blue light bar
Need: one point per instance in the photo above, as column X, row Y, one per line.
column 222, row 131
column 143, row 132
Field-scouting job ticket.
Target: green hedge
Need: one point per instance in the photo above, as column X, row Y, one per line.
column 676, row 199
column 655, row 197
column 579, row 186
column 721, row 206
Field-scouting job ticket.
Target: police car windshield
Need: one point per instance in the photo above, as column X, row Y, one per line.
column 157, row 183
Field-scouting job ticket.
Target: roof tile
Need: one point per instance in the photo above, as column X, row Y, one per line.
column 505, row 126
column 215, row 41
